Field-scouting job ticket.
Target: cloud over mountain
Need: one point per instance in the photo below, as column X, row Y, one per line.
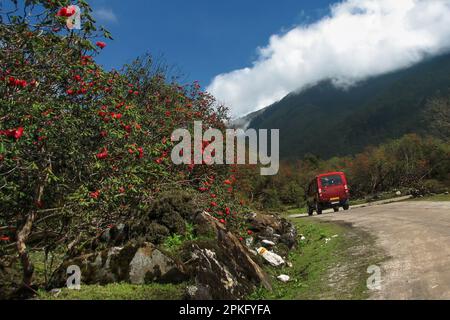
column 356, row 40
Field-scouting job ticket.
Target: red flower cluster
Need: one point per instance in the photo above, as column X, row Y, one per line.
column 103, row 154
column 95, row 194
column 66, row 12
column 164, row 155
column 139, row 152
column 4, row 238
column 17, row 82
column 13, row 133
column 116, row 115
column 101, row 44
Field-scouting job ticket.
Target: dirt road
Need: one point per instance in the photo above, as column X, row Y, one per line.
column 416, row 237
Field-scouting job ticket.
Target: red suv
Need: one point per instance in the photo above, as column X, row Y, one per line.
column 329, row 190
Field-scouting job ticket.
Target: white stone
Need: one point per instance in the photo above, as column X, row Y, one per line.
column 284, row 278
column 269, row 243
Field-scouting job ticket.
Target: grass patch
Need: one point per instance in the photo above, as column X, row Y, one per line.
column 438, row 197
column 292, row 211
column 42, row 268
column 357, row 202
column 330, row 264
column 121, row 291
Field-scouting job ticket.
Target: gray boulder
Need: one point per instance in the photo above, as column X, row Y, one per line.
column 226, row 271
column 135, row 263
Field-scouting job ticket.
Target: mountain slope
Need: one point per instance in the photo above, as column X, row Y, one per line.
column 328, row 121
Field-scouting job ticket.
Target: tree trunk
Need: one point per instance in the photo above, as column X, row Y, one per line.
column 24, row 233
column 22, row 237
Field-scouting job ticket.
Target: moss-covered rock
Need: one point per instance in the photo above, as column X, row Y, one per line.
column 136, row 263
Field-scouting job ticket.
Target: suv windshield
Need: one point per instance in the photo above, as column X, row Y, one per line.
column 331, row 181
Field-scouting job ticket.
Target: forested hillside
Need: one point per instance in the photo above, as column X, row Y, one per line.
column 326, row 121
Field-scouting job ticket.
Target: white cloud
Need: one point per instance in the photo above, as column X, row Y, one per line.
column 358, row 39
column 105, row 14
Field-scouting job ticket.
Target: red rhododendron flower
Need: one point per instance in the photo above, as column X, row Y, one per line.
column 227, row 182
column 66, row 12
column 95, row 194
column 213, row 204
column 100, row 44
column 249, row 232
column 102, row 155
column 116, row 115
column 62, row 12
column 223, row 221
column 13, row 133
column 141, row 152
column 21, row 83
column 4, row 238
column 18, row 133
column 127, row 128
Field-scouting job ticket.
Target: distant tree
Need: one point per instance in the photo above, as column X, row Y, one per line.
column 437, row 114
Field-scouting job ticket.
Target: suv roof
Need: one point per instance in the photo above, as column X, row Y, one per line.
column 329, row 174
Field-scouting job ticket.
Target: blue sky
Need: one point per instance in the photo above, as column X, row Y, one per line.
column 252, row 53
column 203, row 38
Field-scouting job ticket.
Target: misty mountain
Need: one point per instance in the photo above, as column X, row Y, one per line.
column 328, row 121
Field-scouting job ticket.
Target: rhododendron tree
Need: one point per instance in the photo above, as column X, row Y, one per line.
column 82, row 148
